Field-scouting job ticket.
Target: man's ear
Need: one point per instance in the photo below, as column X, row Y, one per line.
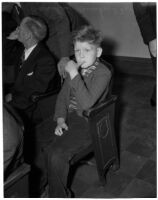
column 99, row 51
column 28, row 35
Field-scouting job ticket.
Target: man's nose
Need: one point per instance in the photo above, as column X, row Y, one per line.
column 17, row 29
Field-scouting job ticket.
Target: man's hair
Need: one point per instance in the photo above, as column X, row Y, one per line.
column 87, row 34
column 37, row 26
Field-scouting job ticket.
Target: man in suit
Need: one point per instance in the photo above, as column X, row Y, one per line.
column 146, row 18
column 35, row 74
column 37, row 69
column 61, row 20
column 59, row 36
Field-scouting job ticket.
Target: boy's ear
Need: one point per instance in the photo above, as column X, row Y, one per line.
column 99, row 52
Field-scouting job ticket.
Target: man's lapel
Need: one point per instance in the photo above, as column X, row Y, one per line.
column 28, row 63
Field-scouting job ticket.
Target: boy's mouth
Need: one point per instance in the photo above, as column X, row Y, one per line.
column 82, row 63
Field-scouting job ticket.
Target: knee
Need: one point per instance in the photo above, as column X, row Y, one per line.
column 56, row 158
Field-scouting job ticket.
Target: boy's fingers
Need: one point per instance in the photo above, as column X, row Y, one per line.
column 57, row 131
column 65, row 127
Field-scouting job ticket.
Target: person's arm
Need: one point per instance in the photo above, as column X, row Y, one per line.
column 59, row 27
column 88, row 94
column 61, row 102
column 153, row 47
column 145, row 20
column 59, row 30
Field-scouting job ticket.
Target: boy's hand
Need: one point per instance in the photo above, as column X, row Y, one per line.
column 72, row 68
column 60, row 126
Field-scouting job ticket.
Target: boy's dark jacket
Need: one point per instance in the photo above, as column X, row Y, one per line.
column 93, row 89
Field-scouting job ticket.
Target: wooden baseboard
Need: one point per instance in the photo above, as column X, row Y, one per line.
column 131, row 65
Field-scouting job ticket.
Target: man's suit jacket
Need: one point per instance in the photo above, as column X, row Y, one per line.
column 93, row 89
column 34, row 76
column 59, row 41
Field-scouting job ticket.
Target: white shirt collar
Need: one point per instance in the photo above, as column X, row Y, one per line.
column 27, row 52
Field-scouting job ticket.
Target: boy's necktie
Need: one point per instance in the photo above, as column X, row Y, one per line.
column 87, row 71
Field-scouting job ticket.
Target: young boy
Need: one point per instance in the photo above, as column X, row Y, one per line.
column 86, row 84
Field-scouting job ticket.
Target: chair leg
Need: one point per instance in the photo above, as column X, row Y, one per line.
column 102, row 177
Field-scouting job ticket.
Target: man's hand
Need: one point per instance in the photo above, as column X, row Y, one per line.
column 61, row 66
column 60, row 126
column 152, row 47
column 8, row 97
column 14, row 35
column 72, row 68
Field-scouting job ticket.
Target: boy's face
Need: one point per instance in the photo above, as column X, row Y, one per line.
column 86, row 53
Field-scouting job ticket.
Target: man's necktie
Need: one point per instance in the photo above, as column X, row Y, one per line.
column 22, row 59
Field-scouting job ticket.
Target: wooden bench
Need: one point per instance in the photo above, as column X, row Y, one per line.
column 17, row 184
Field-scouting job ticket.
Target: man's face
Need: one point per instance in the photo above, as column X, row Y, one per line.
column 23, row 31
column 85, row 53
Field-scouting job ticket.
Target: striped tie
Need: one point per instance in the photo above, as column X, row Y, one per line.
column 87, row 71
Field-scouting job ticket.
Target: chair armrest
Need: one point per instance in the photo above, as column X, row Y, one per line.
column 38, row 96
column 15, row 114
column 99, row 107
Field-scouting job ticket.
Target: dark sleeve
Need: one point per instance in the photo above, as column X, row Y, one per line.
column 61, row 103
column 36, row 83
column 88, row 94
column 59, row 28
column 146, row 19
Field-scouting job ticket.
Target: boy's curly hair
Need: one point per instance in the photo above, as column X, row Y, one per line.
column 87, row 34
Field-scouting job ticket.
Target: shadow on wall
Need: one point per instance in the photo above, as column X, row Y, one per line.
column 109, row 46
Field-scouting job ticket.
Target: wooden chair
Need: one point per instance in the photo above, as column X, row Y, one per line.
column 102, row 130
column 16, row 183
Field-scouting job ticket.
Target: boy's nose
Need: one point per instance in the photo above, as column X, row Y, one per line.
column 81, row 54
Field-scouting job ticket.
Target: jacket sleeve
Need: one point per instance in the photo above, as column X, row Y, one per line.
column 146, row 19
column 88, row 94
column 62, row 100
column 59, row 29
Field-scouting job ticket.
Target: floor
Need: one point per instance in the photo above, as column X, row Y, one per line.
column 136, row 177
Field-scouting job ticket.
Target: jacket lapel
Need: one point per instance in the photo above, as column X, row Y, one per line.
column 29, row 62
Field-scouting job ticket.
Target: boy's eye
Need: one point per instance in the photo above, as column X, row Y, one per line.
column 76, row 50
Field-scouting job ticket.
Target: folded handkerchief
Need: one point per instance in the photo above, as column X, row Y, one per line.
column 30, row 74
